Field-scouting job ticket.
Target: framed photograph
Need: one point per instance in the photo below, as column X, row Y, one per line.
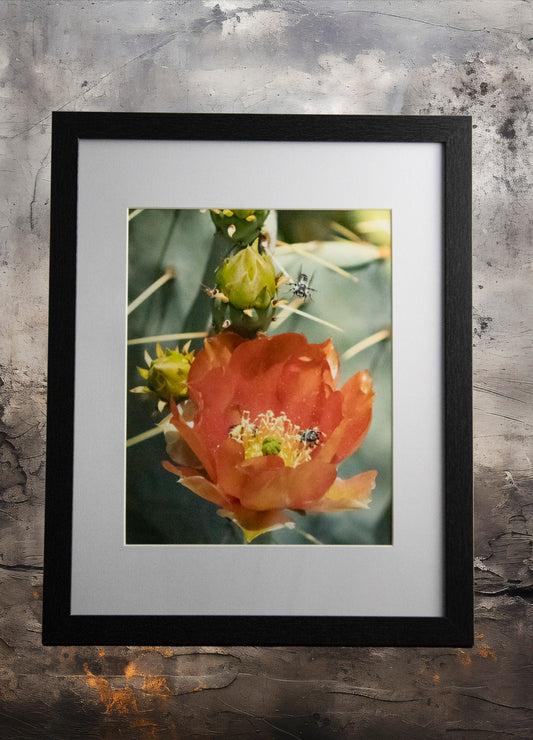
column 259, row 406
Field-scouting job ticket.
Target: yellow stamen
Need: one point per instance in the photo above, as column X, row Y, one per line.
column 293, row 451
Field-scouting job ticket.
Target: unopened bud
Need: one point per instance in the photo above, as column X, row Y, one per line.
column 248, row 279
column 166, row 376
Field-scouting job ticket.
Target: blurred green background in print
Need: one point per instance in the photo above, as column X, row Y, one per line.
column 346, row 254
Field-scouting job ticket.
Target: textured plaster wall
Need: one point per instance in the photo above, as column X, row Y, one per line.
column 275, row 56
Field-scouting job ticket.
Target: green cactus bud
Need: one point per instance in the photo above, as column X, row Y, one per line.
column 245, row 292
column 239, row 227
column 166, row 376
column 248, row 279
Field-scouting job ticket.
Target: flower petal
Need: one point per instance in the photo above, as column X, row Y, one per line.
column 351, row 493
column 190, row 433
column 255, row 523
column 181, row 470
column 284, row 374
column 204, row 488
column 330, row 415
column 267, row 485
column 216, row 353
column 358, row 397
column 178, row 450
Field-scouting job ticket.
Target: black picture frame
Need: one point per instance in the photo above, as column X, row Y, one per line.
column 455, row 627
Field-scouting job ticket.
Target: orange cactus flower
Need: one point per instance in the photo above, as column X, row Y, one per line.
column 265, row 428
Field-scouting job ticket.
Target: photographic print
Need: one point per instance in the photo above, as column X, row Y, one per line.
column 240, row 399
column 259, row 377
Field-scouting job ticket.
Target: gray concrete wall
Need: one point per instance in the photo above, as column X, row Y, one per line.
column 275, row 56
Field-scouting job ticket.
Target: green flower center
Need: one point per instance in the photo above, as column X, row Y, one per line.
column 271, row 446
